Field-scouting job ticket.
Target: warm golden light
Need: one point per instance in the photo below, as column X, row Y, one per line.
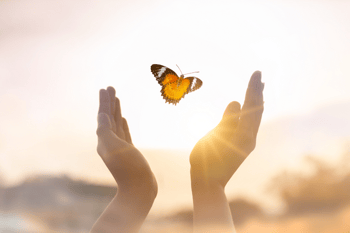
column 199, row 124
column 54, row 62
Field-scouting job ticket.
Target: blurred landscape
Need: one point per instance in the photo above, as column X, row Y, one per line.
column 316, row 202
column 55, row 56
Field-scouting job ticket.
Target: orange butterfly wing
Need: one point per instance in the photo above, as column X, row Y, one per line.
column 174, row 92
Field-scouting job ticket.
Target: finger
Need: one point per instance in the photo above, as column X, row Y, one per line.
column 118, row 119
column 254, row 91
column 111, row 92
column 104, row 102
column 126, row 131
column 252, row 109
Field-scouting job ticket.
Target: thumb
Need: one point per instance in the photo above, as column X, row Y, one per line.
column 229, row 121
column 231, row 115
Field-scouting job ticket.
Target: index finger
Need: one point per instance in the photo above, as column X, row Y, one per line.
column 104, row 102
column 253, row 105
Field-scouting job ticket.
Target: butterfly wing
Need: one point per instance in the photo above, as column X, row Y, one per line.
column 195, row 84
column 173, row 93
column 163, row 74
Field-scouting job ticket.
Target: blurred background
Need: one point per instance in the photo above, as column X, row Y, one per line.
column 56, row 55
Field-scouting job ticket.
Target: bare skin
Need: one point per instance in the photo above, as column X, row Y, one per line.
column 137, row 186
column 218, row 155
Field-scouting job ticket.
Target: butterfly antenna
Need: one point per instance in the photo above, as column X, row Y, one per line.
column 192, row 72
column 179, row 68
column 186, row 73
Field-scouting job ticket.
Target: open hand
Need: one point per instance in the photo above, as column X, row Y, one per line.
column 137, row 186
column 217, row 156
column 127, row 165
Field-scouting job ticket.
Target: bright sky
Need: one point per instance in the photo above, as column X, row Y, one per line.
column 56, row 55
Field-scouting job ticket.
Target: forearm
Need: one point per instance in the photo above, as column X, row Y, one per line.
column 125, row 213
column 211, row 209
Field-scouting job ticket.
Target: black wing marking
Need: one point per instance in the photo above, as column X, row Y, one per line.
column 196, row 83
column 160, row 72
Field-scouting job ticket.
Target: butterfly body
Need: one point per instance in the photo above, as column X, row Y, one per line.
column 174, row 87
column 179, row 81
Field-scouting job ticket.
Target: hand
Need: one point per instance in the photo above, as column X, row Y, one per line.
column 137, row 186
column 217, row 156
column 127, row 165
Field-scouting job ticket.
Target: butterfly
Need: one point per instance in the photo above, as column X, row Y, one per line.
column 174, row 88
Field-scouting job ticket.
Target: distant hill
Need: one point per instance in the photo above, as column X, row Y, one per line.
column 241, row 210
column 63, row 204
column 53, row 192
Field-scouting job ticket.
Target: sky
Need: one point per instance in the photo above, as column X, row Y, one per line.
column 55, row 56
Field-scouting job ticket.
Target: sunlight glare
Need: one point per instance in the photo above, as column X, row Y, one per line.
column 199, row 124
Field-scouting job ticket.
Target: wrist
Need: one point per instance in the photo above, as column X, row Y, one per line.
column 211, row 209
column 145, row 189
column 201, row 181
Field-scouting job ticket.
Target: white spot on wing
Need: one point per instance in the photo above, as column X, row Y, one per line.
column 195, row 80
column 161, row 71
